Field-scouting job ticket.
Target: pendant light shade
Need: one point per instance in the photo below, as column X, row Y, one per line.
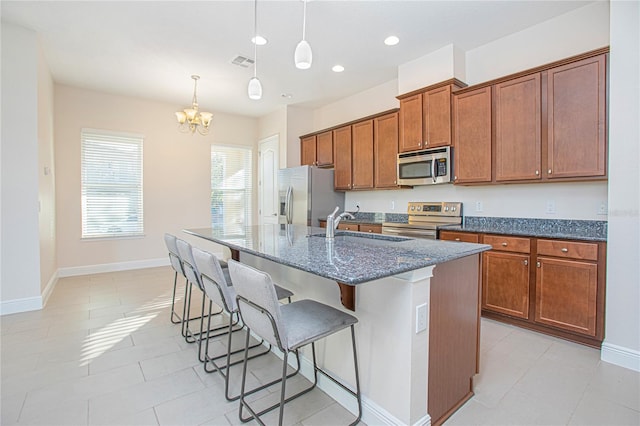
column 303, row 55
column 255, row 89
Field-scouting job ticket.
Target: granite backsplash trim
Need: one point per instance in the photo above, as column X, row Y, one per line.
column 579, row 229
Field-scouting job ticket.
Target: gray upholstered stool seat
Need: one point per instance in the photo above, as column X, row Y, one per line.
column 289, row 327
column 218, row 287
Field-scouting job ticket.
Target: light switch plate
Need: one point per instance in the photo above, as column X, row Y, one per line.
column 421, row 318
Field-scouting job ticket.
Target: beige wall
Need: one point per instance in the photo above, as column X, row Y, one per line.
column 176, row 176
column 46, row 177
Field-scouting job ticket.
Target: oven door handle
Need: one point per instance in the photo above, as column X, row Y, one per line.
column 410, row 233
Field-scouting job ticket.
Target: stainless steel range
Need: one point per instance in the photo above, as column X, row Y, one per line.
column 425, row 219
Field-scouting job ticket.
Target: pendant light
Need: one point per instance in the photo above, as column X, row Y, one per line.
column 303, row 56
column 254, row 89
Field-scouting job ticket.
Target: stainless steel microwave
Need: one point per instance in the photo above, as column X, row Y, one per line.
column 426, row 167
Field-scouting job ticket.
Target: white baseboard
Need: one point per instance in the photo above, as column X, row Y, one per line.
column 112, row 267
column 48, row 289
column 20, row 305
column 621, row 356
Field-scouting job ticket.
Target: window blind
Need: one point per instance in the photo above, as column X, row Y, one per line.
column 111, row 167
column 231, row 184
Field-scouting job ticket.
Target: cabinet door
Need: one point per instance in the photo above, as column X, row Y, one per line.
column 576, row 118
column 517, row 117
column 385, row 143
column 566, row 294
column 472, row 136
column 505, row 283
column 411, row 132
column 342, row 166
column 465, row 237
column 325, row 149
column 436, row 109
column 362, row 160
column 348, row 226
column 308, row 151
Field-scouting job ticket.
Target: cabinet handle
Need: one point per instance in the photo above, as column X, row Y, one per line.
column 537, row 172
column 504, row 244
column 549, row 171
column 370, row 230
column 457, row 239
column 526, row 262
column 538, row 264
column 564, row 250
column 394, row 181
column 455, row 178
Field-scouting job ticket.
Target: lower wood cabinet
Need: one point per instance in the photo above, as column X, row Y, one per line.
column 362, row 227
column 552, row 286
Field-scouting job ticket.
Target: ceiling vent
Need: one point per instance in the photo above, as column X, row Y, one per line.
column 242, row 61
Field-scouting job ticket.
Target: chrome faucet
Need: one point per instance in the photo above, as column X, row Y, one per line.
column 333, row 221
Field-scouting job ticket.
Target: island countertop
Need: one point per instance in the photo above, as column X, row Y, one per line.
column 352, row 258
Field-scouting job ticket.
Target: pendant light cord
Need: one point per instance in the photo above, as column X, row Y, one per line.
column 255, row 38
column 304, row 19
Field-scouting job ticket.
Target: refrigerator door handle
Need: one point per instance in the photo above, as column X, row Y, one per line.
column 289, row 205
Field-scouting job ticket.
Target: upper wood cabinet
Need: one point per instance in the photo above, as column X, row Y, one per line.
column 385, row 145
column 308, row 151
column 425, row 117
column 517, row 129
column 576, row 117
column 342, row 174
column 436, row 108
column 411, row 133
column 317, row 150
column 362, row 159
column 472, row 136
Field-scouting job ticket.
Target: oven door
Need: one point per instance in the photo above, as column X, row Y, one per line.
column 428, row 234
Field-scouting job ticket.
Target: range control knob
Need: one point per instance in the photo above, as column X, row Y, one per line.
column 413, row 208
column 453, row 208
column 419, row 208
column 446, row 208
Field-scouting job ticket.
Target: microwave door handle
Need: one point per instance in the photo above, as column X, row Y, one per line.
column 433, row 169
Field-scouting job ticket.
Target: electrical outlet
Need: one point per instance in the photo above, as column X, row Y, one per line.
column 393, row 205
column 602, row 209
column 421, row 318
column 551, row 207
column 478, row 206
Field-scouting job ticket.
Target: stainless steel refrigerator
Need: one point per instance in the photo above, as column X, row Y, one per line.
column 306, row 194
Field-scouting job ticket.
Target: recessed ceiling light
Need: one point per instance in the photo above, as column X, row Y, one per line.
column 259, row 40
column 391, row 40
column 337, row 68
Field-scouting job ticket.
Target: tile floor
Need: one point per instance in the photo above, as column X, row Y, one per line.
column 103, row 351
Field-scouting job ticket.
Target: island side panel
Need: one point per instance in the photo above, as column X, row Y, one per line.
column 453, row 335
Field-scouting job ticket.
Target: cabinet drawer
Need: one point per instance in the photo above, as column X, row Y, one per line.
column 376, row 229
column 504, row 243
column 348, row 226
column 559, row 248
column 459, row 236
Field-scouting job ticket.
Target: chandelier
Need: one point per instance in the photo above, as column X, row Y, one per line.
column 191, row 119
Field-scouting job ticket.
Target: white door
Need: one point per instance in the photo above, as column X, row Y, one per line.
column 268, row 165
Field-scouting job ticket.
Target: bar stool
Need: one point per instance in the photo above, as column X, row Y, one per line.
column 193, row 280
column 176, row 264
column 219, row 289
column 289, row 327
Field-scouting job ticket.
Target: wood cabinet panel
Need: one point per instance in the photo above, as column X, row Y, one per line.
column 566, row 293
column 508, row 243
column 505, row 283
column 517, row 129
column 576, row 116
column 342, row 167
column 436, row 109
column 375, row 229
column 362, row 160
column 324, row 149
column 472, row 136
column 411, row 132
column 308, row 151
column 568, row 249
column 465, row 237
column 385, row 144
column 348, row 226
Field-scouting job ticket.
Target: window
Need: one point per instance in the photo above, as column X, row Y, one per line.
column 231, row 177
column 111, row 184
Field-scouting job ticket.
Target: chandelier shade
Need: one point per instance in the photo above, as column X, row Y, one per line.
column 192, row 119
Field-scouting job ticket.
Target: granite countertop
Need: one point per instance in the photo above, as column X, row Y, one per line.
column 352, row 258
column 589, row 230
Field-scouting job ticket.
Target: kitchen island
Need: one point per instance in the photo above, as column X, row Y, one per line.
column 417, row 306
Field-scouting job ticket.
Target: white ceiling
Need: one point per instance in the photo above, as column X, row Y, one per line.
column 150, row 49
